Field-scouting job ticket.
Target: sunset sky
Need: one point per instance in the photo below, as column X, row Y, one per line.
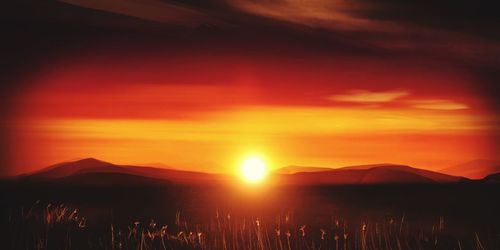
column 322, row 83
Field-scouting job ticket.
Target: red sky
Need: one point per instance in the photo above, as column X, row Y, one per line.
column 199, row 85
column 206, row 111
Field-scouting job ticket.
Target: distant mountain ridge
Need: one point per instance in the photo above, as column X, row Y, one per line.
column 92, row 170
column 65, row 169
column 365, row 174
column 372, row 173
column 476, row 169
column 492, row 178
column 91, row 166
column 435, row 176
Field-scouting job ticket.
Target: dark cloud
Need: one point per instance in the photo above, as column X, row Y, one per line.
column 473, row 17
column 460, row 33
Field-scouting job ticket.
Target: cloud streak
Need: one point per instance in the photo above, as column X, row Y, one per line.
column 331, row 14
column 438, row 105
column 151, row 10
column 395, row 97
column 366, row 96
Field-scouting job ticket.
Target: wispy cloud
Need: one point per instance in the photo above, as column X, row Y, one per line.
column 366, row 96
column 438, row 104
column 375, row 98
column 152, row 10
column 330, row 14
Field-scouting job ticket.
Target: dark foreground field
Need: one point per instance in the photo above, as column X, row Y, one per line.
column 167, row 216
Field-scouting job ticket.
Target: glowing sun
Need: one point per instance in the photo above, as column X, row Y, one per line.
column 253, row 169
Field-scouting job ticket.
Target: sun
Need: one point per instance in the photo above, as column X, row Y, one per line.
column 253, row 169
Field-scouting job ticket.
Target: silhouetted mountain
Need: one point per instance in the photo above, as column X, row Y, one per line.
column 366, row 174
column 492, row 178
column 352, row 177
column 388, row 175
column 65, row 169
column 91, row 167
column 435, row 176
column 476, row 169
column 92, row 171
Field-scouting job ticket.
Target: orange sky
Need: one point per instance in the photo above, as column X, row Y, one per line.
column 206, row 111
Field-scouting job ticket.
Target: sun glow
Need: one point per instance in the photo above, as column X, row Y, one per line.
column 253, row 169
